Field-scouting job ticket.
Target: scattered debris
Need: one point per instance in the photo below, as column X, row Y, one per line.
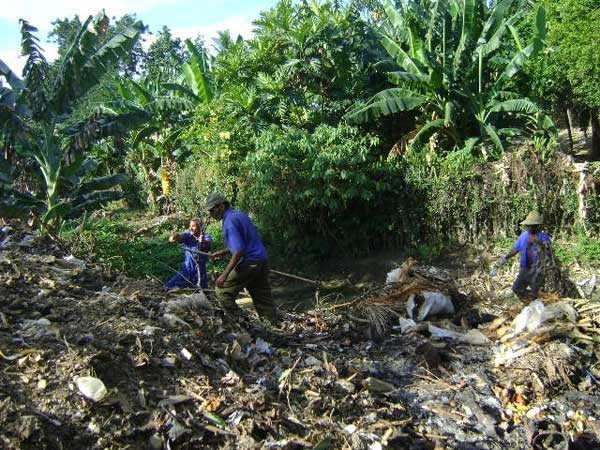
column 97, row 360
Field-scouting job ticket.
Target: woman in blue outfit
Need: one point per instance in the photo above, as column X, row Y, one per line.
column 194, row 264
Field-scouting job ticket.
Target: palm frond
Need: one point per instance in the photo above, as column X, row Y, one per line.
column 386, row 102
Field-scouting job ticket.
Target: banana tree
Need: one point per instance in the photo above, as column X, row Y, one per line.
column 35, row 110
column 452, row 59
column 169, row 108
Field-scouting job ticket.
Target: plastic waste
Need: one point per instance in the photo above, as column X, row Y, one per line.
column 30, row 323
column 393, row 276
column 494, row 272
column 473, row 337
column 263, row 346
column 532, row 316
column 377, row 385
column 434, row 303
column 91, row 387
column 407, row 325
column 442, row 333
column 172, row 321
column 529, row 318
column 75, row 261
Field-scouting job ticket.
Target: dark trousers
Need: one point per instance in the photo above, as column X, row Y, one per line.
column 528, row 282
column 254, row 276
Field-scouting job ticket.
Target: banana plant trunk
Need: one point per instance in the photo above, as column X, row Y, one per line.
column 148, row 180
column 569, row 123
column 595, row 155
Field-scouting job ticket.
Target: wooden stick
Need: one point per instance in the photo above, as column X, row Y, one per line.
column 296, row 277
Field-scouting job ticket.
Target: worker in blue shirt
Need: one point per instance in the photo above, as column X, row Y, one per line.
column 248, row 266
column 530, row 244
column 193, row 268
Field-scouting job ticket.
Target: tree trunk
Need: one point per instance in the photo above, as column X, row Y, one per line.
column 567, row 112
column 595, row 154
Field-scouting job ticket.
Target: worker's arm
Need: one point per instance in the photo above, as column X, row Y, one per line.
column 510, row 254
column 175, row 237
column 235, row 259
column 219, row 254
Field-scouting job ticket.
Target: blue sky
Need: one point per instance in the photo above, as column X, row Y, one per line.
column 186, row 18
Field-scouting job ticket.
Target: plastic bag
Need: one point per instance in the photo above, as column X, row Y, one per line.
column 393, row 276
column 529, row 318
column 532, row 316
column 474, row 337
column 434, row 303
column 406, row 325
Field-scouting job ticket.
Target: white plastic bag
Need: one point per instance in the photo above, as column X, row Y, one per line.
column 473, row 337
column 532, row 316
column 393, row 276
column 529, row 318
column 407, row 325
column 434, row 303
column 190, row 302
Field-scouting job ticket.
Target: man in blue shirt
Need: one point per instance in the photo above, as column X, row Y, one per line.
column 248, row 266
column 193, row 269
column 529, row 244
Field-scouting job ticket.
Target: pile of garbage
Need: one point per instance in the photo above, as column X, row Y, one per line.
column 91, row 359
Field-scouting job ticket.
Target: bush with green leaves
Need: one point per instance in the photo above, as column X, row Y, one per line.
column 323, row 192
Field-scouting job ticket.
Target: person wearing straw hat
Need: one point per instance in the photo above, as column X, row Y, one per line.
column 248, row 266
column 531, row 273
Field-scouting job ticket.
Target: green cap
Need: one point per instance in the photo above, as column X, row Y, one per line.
column 214, row 199
column 533, row 218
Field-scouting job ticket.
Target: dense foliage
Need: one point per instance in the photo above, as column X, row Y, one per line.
column 567, row 75
column 341, row 127
column 452, row 60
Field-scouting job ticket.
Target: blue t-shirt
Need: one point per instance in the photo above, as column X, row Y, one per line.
column 240, row 234
column 525, row 240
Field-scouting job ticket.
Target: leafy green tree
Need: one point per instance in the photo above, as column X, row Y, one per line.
column 305, row 63
column 164, row 58
column 569, row 73
column 452, row 59
column 34, row 113
column 65, row 30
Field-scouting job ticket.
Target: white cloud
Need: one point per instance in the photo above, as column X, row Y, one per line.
column 15, row 61
column 241, row 25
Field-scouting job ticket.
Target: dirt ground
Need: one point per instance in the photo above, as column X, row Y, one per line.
column 90, row 360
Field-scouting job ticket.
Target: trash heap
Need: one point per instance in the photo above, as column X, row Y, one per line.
column 96, row 360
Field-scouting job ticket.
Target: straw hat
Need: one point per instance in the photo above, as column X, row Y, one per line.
column 533, row 218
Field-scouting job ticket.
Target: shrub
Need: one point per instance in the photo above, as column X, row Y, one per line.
column 322, row 192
